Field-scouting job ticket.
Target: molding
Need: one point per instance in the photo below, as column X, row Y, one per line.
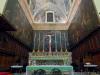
column 50, row 26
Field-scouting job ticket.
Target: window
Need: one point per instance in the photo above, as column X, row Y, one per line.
column 49, row 16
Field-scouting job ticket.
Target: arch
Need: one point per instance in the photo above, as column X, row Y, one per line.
column 39, row 72
column 56, row 71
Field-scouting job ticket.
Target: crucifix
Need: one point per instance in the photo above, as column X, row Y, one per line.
column 49, row 36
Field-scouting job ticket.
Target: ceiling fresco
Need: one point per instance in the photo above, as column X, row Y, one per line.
column 59, row 7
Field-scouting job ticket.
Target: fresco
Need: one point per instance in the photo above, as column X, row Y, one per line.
column 60, row 8
column 16, row 17
column 84, row 22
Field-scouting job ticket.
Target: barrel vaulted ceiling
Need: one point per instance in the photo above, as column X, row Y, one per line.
column 59, row 7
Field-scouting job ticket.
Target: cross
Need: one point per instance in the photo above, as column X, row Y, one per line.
column 49, row 42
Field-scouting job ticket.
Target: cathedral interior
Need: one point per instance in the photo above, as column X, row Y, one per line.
column 49, row 37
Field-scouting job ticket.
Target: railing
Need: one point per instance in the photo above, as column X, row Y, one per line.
column 37, row 54
column 65, row 57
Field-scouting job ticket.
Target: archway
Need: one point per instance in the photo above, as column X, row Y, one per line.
column 56, row 71
column 39, row 72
